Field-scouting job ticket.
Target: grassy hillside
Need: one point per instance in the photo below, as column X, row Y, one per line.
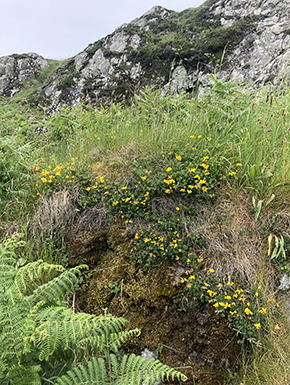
column 201, row 181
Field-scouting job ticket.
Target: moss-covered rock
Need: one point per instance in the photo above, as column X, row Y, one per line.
column 181, row 331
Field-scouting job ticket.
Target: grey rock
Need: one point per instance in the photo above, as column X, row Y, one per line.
column 284, row 283
column 149, row 355
column 19, row 68
column 97, row 65
column 118, row 42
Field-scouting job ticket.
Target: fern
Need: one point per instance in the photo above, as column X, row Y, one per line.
column 131, row 371
column 41, row 338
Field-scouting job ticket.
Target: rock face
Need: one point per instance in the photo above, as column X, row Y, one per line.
column 241, row 41
column 15, row 69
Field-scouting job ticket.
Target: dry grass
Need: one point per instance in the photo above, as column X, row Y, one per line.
column 233, row 244
column 55, row 214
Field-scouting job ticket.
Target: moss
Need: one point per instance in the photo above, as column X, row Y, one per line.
column 182, row 332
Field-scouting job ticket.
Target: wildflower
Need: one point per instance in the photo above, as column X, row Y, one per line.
column 88, row 188
column 192, row 170
column 188, row 260
column 239, row 164
column 147, row 240
column 115, row 203
column 178, row 157
column 277, row 327
column 143, row 177
column 248, row 311
column 44, row 180
column 124, row 188
column 199, row 136
column 182, row 190
column 189, row 191
column 167, row 191
column 177, row 208
column 230, row 283
column 168, row 169
column 127, row 199
column 204, row 189
column 192, row 277
column 188, row 285
column 257, row 326
column 211, row 270
column 191, row 136
column 231, row 173
column 257, row 294
column 263, row 311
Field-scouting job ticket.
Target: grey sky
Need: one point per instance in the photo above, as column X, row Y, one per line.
column 58, row 29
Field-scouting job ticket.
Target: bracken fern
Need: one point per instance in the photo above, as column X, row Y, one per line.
column 41, row 338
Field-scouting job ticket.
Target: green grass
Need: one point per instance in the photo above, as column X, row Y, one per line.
column 146, row 153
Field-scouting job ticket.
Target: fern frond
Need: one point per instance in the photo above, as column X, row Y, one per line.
column 134, row 369
column 60, row 327
column 131, row 371
column 53, row 291
column 11, row 322
column 20, row 375
column 94, row 374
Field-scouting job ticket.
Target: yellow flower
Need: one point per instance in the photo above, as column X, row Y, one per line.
column 239, row 164
column 211, row 270
column 178, row 157
column 44, row 180
column 189, row 191
column 257, row 326
column 88, row 188
column 192, row 170
column 248, row 311
column 168, row 169
column 143, row 177
column 263, row 311
column 115, row 203
column 277, row 327
column 257, row 294
column 177, row 208
column 167, row 191
column 191, row 136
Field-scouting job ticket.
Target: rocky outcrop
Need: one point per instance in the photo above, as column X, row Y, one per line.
column 241, row 41
column 16, row 69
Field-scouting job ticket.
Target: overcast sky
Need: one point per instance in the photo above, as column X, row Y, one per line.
column 58, row 29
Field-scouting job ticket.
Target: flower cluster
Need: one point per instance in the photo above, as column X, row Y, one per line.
column 243, row 308
column 56, row 177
